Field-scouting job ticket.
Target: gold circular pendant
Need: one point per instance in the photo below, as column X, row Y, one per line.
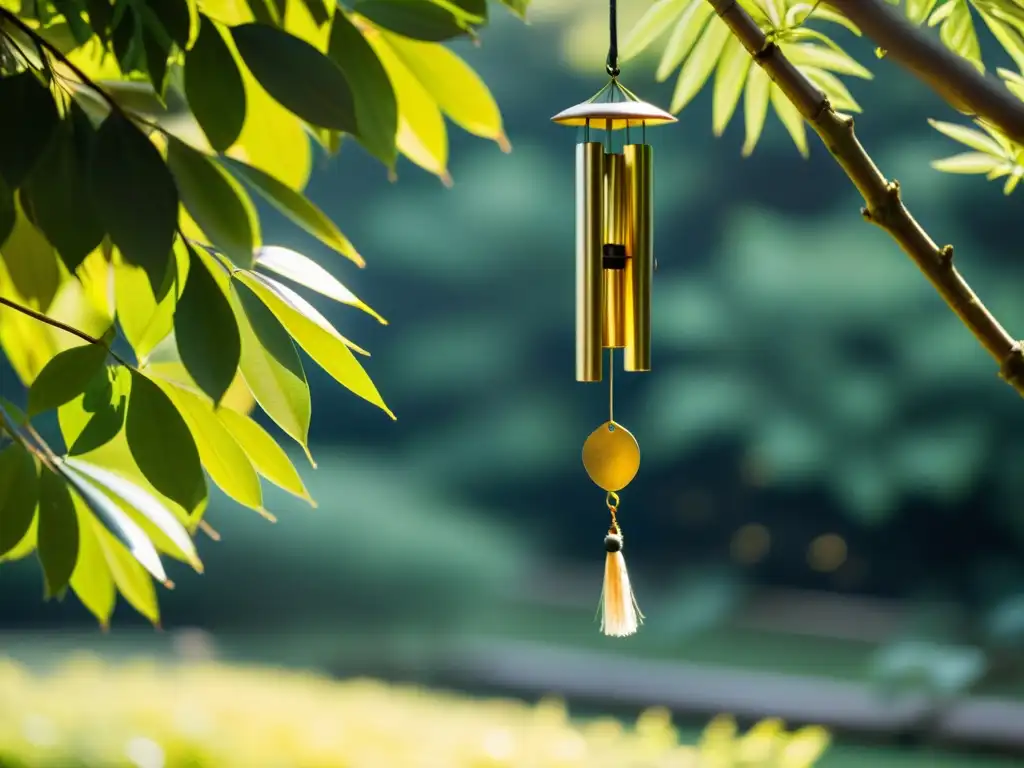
column 611, row 456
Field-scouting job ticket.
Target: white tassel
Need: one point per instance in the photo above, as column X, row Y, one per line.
column 620, row 614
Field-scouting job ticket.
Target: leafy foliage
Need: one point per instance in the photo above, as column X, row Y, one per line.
column 700, row 45
column 134, row 134
column 461, row 730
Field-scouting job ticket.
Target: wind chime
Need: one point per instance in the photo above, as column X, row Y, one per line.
column 614, row 270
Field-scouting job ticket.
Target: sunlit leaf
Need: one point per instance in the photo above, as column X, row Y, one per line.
column 31, row 262
column 297, row 207
column 221, row 455
column 700, row 64
column 142, row 502
column 733, row 66
column 968, row 162
column 214, row 87
column 652, row 25
column 65, row 377
column 326, row 348
column 306, row 272
column 135, row 196
column 57, row 533
column 131, row 578
column 791, row 118
column 686, row 32
column 145, row 316
column 114, row 519
column 808, row 54
column 162, row 445
column 297, row 76
column 422, row 136
column 92, row 581
column 969, row 136
column 271, row 365
column 375, row 103
column 454, row 87
column 23, row 140
column 215, row 201
column 19, row 492
column 265, row 454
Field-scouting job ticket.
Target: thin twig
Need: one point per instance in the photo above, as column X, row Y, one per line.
column 55, row 52
column 884, row 205
column 7, row 426
column 951, row 76
column 62, row 326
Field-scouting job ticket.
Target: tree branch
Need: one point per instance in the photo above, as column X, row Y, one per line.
column 951, row 76
column 884, row 205
column 62, row 326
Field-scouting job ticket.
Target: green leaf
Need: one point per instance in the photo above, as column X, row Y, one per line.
column 271, row 366
column 454, row 86
column 969, row 162
column 306, row 272
column 7, row 212
column 808, row 54
column 919, row 10
column 106, row 402
column 92, row 581
column 115, row 520
column 101, row 15
column 416, row 19
column 686, row 32
column 297, row 207
column 23, row 140
column 135, row 197
column 327, row 348
column 72, row 11
column 131, row 578
column 652, row 25
column 147, row 316
column 58, row 189
column 221, row 456
column 297, row 76
column 143, row 502
column 162, row 445
column 156, row 53
column 57, row 535
column 701, row 62
column 215, row 201
column 518, row 7
column 733, row 66
column 19, row 491
column 176, row 18
column 265, row 454
column 214, row 88
column 30, row 260
column 206, row 332
column 791, row 118
column 969, row 136
column 838, row 94
column 372, row 93
column 958, row 32
column 65, row 377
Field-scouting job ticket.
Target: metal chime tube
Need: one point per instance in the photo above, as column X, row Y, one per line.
column 616, row 229
column 589, row 241
column 640, row 268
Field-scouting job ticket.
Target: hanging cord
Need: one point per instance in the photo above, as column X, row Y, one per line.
column 612, row 65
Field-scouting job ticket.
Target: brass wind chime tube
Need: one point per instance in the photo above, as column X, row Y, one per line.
column 640, row 267
column 615, row 251
column 590, row 181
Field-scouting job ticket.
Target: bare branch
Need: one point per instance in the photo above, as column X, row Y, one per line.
column 62, row 326
column 883, row 203
column 951, row 76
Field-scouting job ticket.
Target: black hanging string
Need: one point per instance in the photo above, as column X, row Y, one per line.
column 612, row 65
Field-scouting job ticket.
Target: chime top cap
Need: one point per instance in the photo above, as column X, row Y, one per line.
column 615, row 104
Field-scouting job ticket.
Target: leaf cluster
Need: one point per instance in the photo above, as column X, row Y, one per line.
column 136, row 138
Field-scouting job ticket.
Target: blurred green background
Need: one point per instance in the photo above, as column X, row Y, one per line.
column 826, row 524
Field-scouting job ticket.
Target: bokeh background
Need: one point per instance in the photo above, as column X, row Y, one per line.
column 827, row 524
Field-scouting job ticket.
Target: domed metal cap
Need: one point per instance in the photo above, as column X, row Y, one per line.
column 615, row 104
